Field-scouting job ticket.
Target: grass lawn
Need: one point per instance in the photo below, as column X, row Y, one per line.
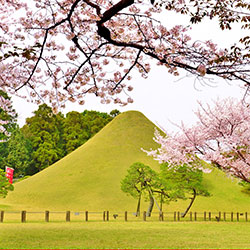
column 139, row 235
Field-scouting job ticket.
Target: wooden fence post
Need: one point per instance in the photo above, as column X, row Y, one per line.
column 23, row 216
column 219, row 216
column 205, row 216
column 1, row 216
column 246, row 216
column 126, row 216
column 107, row 215
column 224, row 216
column 195, row 216
column 178, row 216
column 144, row 216
column 68, row 216
column 191, row 216
column 86, row 215
column 209, row 216
column 47, row 216
column 238, row 216
column 232, row 216
column 174, row 216
column 104, row 215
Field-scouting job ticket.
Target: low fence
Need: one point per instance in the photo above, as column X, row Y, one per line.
column 86, row 216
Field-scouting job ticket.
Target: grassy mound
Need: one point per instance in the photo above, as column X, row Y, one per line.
column 89, row 178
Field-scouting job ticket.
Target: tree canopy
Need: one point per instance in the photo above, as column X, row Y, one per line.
column 46, row 138
column 221, row 136
column 63, row 50
column 170, row 184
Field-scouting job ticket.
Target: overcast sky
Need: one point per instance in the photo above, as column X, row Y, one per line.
column 163, row 97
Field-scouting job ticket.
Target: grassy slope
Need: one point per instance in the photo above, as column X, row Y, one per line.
column 89, row 178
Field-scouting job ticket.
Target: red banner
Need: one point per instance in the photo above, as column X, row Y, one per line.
column 9, row 174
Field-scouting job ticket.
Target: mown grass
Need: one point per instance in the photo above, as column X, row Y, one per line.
column 126, row 235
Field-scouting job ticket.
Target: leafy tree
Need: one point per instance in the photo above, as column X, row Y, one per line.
column 19, row 156
column 221, row 137
column 75, row 43
column 114, row 112
column 5, row 186
column 184, row 181
column 80, row 127
column 45, row 131
column 95, row 121
column 139, row 182
column 75, row 131
column 170, row 184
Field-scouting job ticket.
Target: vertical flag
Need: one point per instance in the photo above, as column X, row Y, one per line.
column 9, row 173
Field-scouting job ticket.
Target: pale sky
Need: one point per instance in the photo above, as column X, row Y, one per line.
column 163, row 97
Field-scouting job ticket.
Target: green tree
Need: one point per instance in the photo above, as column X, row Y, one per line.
column 19, row 150
column 114, row 112
column 140, row 181
column 185, row 182
column 95, row 121
column 45, row 131
column 170, row 184
column 5, row 186
column 75, row 131
column 80, row 127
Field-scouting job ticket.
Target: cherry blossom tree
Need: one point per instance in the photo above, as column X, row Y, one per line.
column 60, row 50
column 221, row 137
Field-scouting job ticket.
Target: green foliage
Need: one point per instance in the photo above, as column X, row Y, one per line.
column 114, row 112
column 183, row 179
column 49, row 137
column 94, row 121
column 80, row 127
column 170, row 184
column 75, row 131
column 18, row 156
column 44, row 130
column 138, row 179
column 5, row 186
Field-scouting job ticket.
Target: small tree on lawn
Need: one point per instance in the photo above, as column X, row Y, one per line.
column 185, row 182
column 170, row 185
column 140, row 181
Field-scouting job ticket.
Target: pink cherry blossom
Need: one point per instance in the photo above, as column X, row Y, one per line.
column 221, row 137
column 58, row 49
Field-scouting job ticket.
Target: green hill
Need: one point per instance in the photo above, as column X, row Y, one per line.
column 89, row 178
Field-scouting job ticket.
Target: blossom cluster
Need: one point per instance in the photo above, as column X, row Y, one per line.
column 221, row 137
column 60, row 51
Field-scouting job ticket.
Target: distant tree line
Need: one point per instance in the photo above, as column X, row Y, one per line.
column 47, row 137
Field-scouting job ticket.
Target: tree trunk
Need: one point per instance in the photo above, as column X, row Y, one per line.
column 191, row 203
column 151, row 205
column 138, row 206
column 161, row 203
